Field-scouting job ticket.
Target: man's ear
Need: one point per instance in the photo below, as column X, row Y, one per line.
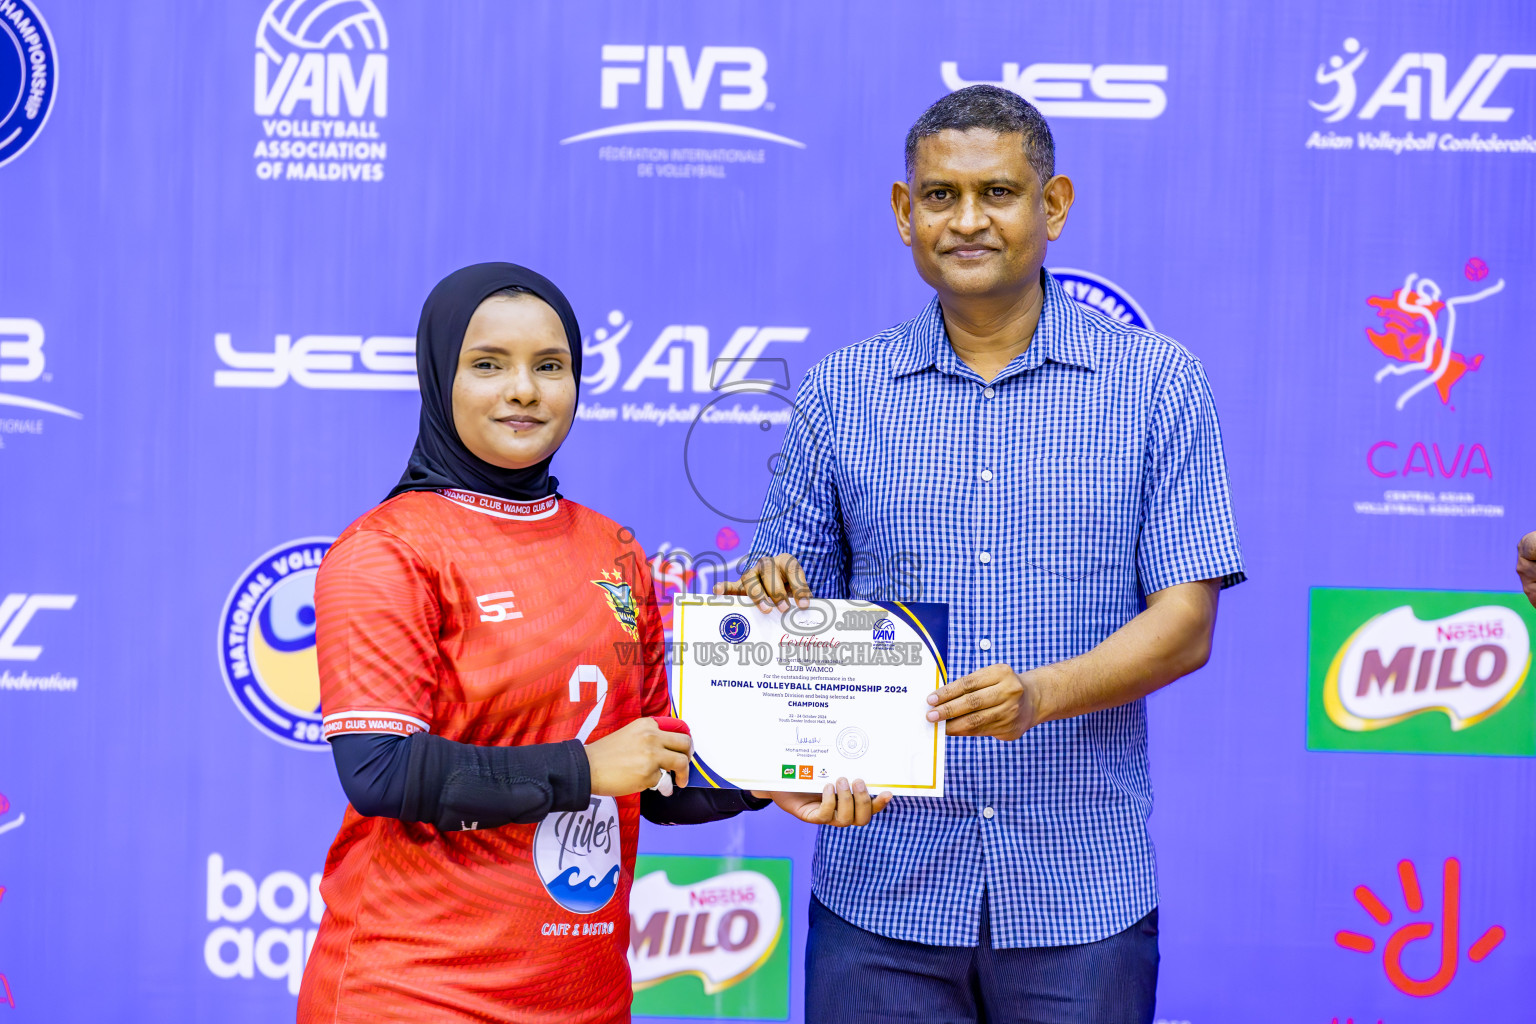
column 901, row 206
column 1057, row 196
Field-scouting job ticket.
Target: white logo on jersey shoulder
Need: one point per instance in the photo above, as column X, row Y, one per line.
column 577, row 853
column 497, row 607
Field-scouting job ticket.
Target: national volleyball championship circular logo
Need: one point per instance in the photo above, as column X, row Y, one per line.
column 1098, row 292
column 29, row 72
column 267, row 643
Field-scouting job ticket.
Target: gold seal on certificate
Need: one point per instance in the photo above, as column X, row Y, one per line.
column 793, row 700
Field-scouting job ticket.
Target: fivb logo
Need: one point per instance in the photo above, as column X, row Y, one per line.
column 284, row 898
column 659, row 76
column 680, row 356
column 321, row 59
column 1127, row 91
column 1465, row 99
column 321, row 361
column 22, row 361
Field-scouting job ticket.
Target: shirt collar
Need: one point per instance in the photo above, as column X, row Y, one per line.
column 1063, row 335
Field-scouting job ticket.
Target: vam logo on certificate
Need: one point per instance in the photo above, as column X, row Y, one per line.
column 791, row 701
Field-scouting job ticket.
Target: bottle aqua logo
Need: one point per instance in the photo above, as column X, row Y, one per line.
column 1450, row 929
column 1420, row 671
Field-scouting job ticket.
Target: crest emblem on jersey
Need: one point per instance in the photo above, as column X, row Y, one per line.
column 621, row 601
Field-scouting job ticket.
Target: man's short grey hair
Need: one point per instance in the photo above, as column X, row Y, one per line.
column 992, row 108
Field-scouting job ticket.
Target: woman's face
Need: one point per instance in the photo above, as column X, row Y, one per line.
column 514, row 394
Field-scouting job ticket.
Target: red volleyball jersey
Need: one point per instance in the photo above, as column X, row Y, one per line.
column 497, row 623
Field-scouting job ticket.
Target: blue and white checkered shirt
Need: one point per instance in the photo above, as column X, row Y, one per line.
column 1042, row 507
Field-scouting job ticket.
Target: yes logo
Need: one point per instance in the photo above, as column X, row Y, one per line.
column 1125, row 91
column 1449, row 939
column 1420, row 671
column 321, row 361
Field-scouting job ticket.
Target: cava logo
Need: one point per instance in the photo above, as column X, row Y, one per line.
column 1126, row 91
column 321, row 88
column 1425, row 359
column 659, row 79
column 1431, row 672
column 708, row 937
column 342, row 362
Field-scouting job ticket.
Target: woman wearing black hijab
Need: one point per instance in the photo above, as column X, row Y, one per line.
column 494, row 697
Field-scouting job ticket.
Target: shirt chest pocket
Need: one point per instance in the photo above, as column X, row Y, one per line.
column 1080, row 515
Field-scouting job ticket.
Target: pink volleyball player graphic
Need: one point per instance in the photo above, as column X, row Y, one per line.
column 1419, row 333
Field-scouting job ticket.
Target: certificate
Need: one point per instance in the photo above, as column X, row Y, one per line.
column 793, row 700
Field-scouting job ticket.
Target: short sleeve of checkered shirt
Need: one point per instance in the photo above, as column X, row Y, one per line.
column 1188, row 532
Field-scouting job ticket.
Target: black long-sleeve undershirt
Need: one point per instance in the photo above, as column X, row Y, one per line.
column 458, row 786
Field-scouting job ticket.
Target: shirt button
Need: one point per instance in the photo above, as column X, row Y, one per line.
column 987, row 812
column 986, row 556
column 988, row 392
column 985, row 644
column 986, row 474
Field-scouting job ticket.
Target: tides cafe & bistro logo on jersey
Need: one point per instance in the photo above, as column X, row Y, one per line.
column 321, row 91
column 1420, row 671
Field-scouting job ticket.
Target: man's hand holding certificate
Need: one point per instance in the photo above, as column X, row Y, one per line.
column 792, row 700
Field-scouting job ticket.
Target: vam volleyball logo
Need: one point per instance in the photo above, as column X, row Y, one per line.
column 322, row 86
column 29, row 72
column 1102, row 294
column 267, row 643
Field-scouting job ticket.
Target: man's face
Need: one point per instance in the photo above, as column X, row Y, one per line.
column 975, row 214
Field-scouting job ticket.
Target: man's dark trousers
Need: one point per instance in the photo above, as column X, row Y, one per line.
column 857, row 977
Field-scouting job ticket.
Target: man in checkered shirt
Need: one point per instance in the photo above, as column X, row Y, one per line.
column 1057, row 478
